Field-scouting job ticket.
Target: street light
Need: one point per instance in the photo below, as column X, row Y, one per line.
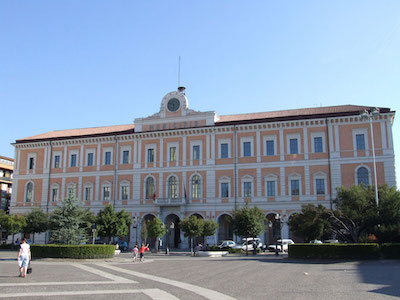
column 374, row 112
column 94, row 227
column 135, row 225
column 278, row 222
column 169, row 229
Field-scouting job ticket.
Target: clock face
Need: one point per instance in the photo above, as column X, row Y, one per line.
column 173, row 104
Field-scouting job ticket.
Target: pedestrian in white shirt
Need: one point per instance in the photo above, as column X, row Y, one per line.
column 24, row 256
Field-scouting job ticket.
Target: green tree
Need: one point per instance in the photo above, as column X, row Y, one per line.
column 67, row 223
column 112, row 224
column 12, row 224
column 156, row 229
column 248, row 222
column 209, row 228
column 356, row 213
column 36, row 222
column 312, row 223
column 192, row 227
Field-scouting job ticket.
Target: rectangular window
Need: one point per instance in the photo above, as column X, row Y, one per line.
column 90, row 157
column 150, row 155
column 57, row 160
column 31, row 163
column 172, row 154
column 125, row 157
column 71, row 192
column 318, row 144
column 295, row 187
column 54, row 193
column 247, row 189
column 124, row 192
column 225, row 190
column 88, row 193
column 224, row 150
column 320, row 186
column 270, row 147
column 107, row 158
column 293, row 146
column 196, row 152
column 360, row 140
column 271, row 188
column 106, row 193
column 247, row 149
column 73, row 160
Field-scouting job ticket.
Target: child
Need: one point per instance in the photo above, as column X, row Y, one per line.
column 135, row 252
column 141, row 251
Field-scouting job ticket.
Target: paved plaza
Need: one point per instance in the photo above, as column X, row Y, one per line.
column 179, row 276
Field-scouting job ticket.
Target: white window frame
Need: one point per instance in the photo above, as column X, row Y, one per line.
column 125, row 183
column 57, row 153
column 320, row 175
column 295, row 176
column 33, row 192
column 316, row 135
column 55, row 186
column 147, row 147
column 104, row 185
column 224, row 141
column 245, row 140
column 71, row 152
column 291, row 137
column 108, row 149
column 356, row 174
column 196, row 143
column 363, row 131
column 191, row 186
column 125, row 148
column 145, row 187
column 227, row 180
column 249, row 179
column 31, row 155
column 274, row 178
column 270, row 138
column 169, row 146
column 85, row 186
column 177, row 186
column 72, row 185
column 93, row 151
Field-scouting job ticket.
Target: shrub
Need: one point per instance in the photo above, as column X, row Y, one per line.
column 335, row 251
column 9, row 247
column 72, row 251
column 390, row 250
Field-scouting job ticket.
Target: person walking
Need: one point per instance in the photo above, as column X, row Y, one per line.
column 24, row 257
column 135, row 253
column 141, row 251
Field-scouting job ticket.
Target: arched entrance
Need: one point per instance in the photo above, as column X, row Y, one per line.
column 172, row 237
column 272, row 232
column 144, row 237
column 225, row 231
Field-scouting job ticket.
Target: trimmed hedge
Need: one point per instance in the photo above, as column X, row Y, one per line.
column 72, row 251
column 9, row 247
column 391, row 250
column 335, row 251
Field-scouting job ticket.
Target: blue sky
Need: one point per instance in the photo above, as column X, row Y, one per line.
column 74, row 64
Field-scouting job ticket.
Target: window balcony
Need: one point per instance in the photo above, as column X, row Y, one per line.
column 170, row 201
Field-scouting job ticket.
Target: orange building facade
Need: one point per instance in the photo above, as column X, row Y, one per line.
column 179, row 162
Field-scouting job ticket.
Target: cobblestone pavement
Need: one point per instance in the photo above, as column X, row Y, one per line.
column 180, row 276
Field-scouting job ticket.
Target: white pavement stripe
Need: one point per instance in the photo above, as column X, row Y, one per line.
column 104, row 274
column 59, row 283
column 207, row 293
column 153, row 293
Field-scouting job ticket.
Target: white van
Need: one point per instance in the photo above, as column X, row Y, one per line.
column 247, row 243
column 285, row 243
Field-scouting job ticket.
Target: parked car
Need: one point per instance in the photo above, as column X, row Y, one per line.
column 315, row 242
column 122, row 245
column 247, row 244
column 227, row 244
column 331, row 241
column 284, row 242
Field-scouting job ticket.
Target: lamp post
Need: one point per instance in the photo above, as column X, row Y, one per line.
column 135, row 225
column 370, row 115
column 94, row 227
column 169, row 229
column 278, row 222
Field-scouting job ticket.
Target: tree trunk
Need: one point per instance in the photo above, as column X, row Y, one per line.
column 157, row 244
column 33, row 238
column 191, row 245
